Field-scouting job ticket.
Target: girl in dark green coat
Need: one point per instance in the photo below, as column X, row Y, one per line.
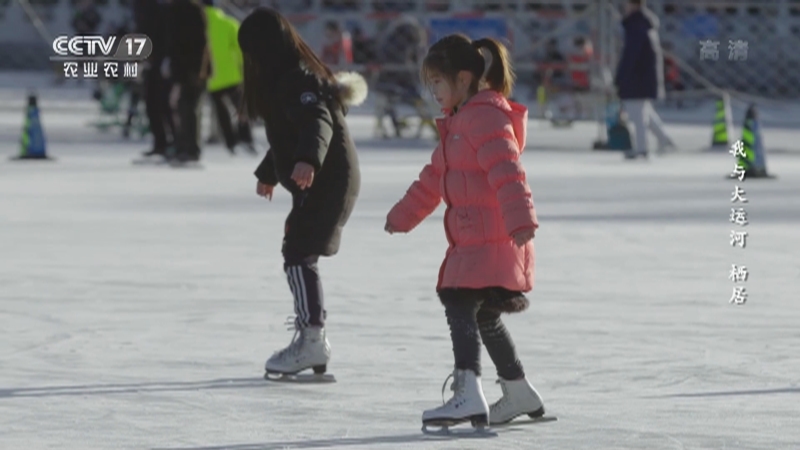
column 303, row 105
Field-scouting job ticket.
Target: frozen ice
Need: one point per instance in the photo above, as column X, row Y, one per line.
column 138, row 304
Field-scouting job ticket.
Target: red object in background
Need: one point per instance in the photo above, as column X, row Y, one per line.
column 339, row 51
column 347, row 48
column 673, row 73
column 580, row 77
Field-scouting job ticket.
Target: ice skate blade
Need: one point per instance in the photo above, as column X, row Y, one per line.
column 150, row 162
column 479, row 432
column 311, row 378
column 186, row 165
column 526, row 421
column 443, row 427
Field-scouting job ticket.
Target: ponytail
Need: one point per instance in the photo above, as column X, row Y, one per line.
column 498, row 73
column 457, row 52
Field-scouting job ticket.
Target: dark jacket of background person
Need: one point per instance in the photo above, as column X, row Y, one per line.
column 402, row 46
column 87, row 19
column 640, row 74
column 190, row 61
column 363, row 47
column 150, row 19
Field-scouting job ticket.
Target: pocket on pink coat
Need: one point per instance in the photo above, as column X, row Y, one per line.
column 469, row 226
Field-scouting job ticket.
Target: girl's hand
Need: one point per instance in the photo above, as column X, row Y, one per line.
column 524, row 235
column 303, row 175
column 264, row 190
column 389, row 229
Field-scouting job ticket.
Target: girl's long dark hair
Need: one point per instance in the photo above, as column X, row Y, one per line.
column 272, row 48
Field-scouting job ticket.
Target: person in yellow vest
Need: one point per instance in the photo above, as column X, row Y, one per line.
column 225, row 84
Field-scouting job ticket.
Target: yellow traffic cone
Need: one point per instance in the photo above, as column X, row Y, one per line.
column 723, row 124
column 754, row 160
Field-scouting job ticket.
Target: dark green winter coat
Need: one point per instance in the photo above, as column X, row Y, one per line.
column 313, row 130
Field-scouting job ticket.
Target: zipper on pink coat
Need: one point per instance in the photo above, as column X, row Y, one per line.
column 443, row 132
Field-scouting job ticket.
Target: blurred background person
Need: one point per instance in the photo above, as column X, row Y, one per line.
column 190, row 68
column 640, row 77
column 554, row 60
column 86, row 21
column 672, row 74
column 132, row 88
column 363, row 47
column 401, row 49
column 225, row 84
column 580, row 60
column 150, row 17
column 548, row 78
column 338, row 46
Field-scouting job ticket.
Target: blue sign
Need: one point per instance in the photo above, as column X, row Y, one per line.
column 701, row 26
column 475, row 28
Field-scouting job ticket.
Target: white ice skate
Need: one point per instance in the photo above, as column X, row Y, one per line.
column 309, row 349
column 519, row 398
column 468, row 404
column 152, row 158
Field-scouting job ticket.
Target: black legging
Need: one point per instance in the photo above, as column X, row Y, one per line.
column 159, row 114
column 188, row 102
column 243, row 132
column 470, row 323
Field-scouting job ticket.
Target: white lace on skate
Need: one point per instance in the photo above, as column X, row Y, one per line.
column 455, row 386
column 294, row 347
column 499, row 407
column 466, row 405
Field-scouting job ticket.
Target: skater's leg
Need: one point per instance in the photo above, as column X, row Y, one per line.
column 461, row 307
column 188, row 103
column 133, row 106
column 224, row 117
column 214, row 132
column 519, row 396
column 183, row 120
column 655, row 125
column 168, row 113
column 302, row 273
column 310, row 348
column 244, row 133
column 398, row 126
column 156, row 107
column 499, row 344
column 636, row 114
column 468, row 402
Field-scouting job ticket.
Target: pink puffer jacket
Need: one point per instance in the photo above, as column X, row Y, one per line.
column 476, row 170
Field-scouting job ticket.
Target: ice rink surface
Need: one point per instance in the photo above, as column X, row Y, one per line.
column 138, row 304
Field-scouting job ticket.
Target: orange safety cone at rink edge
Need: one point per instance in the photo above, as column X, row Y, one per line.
column 754, row 160
column 33, row 145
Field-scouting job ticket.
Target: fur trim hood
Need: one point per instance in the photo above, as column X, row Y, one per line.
column 352, row 88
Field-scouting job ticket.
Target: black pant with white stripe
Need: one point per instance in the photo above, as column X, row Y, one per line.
column 303, row 276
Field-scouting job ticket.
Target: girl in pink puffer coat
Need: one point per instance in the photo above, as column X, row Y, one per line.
column 490, row 222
